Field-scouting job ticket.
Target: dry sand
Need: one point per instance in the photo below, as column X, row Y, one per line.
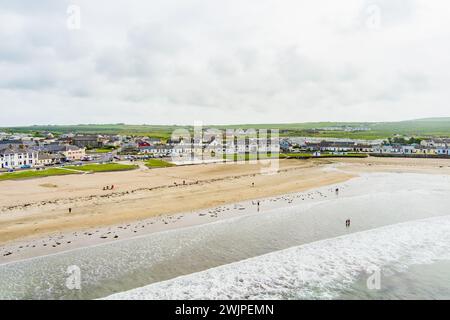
column 160, row 198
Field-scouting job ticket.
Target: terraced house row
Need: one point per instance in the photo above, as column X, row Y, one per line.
column 16, row 157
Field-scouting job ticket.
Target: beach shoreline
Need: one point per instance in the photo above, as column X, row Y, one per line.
column 62, row 242
column 220, row 191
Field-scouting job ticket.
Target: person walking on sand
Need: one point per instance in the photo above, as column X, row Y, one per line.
column 337, row 191
column 70, row 210
column 258, row 205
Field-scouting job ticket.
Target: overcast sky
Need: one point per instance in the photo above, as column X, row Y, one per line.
column 216, row 61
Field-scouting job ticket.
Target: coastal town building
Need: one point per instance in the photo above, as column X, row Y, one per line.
column 73, row 153
column 338, row 146
column 62, row 151
column 425, row 150
column 13, row 157
column 162, row 150
column 89, row 141
column 436, row 143
column 443, row 151
column 48, row 159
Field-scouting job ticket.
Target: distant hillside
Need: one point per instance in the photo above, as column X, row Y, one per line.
column 434, row 119
column 377, row 130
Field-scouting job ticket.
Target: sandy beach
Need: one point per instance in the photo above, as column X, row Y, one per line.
column 35, row 218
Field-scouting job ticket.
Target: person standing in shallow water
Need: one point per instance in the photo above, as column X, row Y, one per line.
column 347, row 223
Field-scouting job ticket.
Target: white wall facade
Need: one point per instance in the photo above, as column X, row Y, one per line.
column 16, row 160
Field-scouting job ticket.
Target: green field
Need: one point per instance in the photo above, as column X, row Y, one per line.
column 154, row 131
column 103, row 167
column 30, row 174
column 100, row 150
column 378, row 130
column 437, row 127
column 157, row 163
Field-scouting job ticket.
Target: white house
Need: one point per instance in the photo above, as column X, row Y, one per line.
column 443, row 151
column 407, row 149
column 162, row 150
column 16, row 157
column 395, row 149
column 436, row 143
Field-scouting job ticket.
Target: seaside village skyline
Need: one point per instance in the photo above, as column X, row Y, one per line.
column 25, row 151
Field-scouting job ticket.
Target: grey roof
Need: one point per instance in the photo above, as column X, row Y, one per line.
column 55, row 148
column 44, row 156
column 2, row 142
column 86, row 138
column 11, row 149
column 163, row 147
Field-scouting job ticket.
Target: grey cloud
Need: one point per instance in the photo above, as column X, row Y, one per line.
column 178, row 61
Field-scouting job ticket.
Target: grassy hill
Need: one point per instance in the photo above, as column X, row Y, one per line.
column 378, row 130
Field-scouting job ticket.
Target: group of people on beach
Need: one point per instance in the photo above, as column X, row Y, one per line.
column 108, row 188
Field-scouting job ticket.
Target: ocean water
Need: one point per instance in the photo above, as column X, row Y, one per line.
column 419, row 281
column 332, row 268
column 400, row 225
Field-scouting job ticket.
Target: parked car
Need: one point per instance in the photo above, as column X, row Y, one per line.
column 25, row 166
